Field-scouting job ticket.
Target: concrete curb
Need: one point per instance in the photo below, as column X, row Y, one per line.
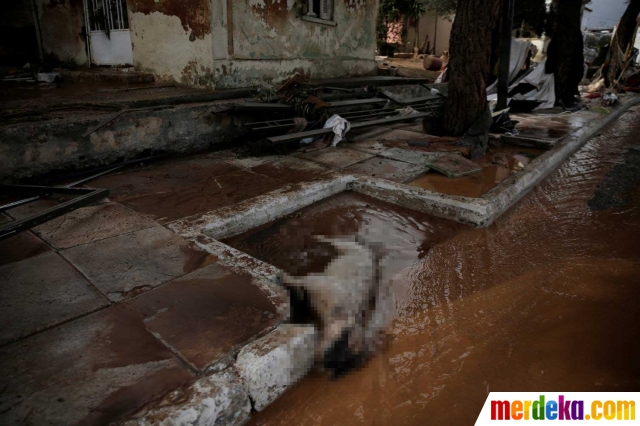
column 503, row 196
column 263, row 370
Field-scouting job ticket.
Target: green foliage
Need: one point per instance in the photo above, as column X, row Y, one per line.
column 441, row 7
column 394, row 10
column 532, row 14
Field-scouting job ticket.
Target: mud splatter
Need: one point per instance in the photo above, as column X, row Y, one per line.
column 194, row 14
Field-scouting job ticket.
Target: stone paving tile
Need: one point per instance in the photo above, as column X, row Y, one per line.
column 174, row 194
column 41, row 292
column 20, row 247
column 291, row 169
column 91, row 223
column 208, row 313
column 127, row 265
column 413, row 157
column 336, row 158
column 93, row 370
column 162, row 177
column 384, row 168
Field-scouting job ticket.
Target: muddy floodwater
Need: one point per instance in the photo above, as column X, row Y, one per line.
column 497, row 165
column 547, row 299
column 405, row 235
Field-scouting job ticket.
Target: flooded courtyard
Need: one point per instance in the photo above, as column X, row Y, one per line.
column 544, row 300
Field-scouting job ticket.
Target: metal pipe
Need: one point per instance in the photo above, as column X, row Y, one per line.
column 505, row 53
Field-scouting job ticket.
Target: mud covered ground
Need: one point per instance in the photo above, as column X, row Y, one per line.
column 548, row 298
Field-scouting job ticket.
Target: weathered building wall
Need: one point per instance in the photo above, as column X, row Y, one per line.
column 33, row 149
column 172, row 39
column 197, row 42
column 270, row 41
column 61, row 24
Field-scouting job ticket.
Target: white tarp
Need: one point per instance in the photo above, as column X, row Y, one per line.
column 340, row 128
column 545, row 90
column 519, row 51
column 544, row 83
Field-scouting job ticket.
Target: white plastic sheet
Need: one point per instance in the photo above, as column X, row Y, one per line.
column 545, row 91
column 340, row 128
column 544, row 83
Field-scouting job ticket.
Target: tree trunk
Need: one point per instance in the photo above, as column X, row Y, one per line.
column 470, row 53
column 624, row 36
column 565, row 54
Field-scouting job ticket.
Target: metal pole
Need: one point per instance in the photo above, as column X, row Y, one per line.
column 505, row 53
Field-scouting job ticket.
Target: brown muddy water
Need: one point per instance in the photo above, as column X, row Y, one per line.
column 547, row 299
column 289, row 244
column 497, row 165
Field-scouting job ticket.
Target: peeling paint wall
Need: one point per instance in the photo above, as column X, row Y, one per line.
column 227, row 43
column 172, row 39
column 202, row 43
column 271, row 40
column 61, row 23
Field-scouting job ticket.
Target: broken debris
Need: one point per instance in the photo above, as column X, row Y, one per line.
column 453, row 166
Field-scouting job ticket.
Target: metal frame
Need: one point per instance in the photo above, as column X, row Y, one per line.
column 358, row 125
column 272, row 126
column 84, row 196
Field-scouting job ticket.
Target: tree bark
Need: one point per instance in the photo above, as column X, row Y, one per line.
column 624, row 36
column 470, row 53
column 565, row 54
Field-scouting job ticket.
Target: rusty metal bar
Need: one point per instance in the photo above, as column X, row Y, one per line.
column 87, row 196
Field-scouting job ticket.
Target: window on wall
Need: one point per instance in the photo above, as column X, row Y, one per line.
column 320, row 11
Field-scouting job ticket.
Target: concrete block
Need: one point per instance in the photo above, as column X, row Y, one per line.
column 217, row 400
column 271, row 365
